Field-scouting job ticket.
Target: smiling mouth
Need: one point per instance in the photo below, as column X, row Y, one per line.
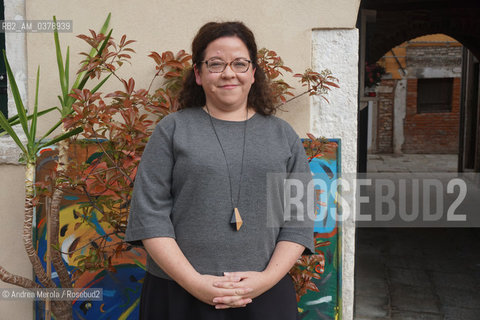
column 229, row 86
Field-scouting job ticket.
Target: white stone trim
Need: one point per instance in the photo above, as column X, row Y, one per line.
column 337, row 50
column 16, row 49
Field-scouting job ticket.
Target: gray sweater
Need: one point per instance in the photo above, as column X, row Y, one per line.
column 182, row 191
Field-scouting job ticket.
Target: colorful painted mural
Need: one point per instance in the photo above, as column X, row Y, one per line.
column 122, row 283
column 323, row 297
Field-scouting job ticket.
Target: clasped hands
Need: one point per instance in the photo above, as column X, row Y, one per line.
column 233, row 290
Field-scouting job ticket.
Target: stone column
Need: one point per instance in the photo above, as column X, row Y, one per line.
column 337, row 50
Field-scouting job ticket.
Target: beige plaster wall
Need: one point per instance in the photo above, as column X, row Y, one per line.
column 284, row 26
column 12, row 253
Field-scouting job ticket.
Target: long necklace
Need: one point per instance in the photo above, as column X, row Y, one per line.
column 236, row 220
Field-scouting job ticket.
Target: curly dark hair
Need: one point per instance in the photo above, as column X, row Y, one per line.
column 192, row 95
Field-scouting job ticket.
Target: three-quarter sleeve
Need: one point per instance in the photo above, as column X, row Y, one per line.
column 151, row 203
column 299, row 222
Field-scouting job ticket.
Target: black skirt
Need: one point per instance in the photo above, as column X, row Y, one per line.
column 163, row 299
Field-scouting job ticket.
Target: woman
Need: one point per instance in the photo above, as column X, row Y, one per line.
column 200, row 202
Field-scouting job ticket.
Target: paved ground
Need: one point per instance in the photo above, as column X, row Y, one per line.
column 417, row 273
column 412, row 163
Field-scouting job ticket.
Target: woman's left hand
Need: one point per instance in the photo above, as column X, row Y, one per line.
column 258, row 281
column 282, row 260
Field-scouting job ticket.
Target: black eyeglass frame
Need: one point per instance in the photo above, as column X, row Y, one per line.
column 227, row 64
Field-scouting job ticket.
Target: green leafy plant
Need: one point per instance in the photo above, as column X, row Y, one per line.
column 27, row 122
column 30, row 147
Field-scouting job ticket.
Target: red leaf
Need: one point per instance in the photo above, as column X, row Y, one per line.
column 130, row 41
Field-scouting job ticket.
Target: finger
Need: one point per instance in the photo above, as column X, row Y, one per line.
column 242, row 291
column 243, row 302
column 238, row 275
column 229, row 300
column 231, row 277
column 227, row 284
column 232, row 296
column 246, row 301
column 237, row 304
column 232, row 301
column 223, row 292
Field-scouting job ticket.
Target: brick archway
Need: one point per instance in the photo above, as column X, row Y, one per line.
column 401, row 20
column 396, row 22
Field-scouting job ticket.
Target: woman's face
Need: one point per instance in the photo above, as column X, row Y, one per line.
column 226, row 90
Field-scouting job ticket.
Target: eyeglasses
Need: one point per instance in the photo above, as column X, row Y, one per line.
column 215, row 65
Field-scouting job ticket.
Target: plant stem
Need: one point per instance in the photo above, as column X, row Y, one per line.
column 293, row 98
column 28, row 227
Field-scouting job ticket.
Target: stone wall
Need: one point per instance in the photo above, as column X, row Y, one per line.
column 431, row 132
column 434, row 61
column 400, row 128
column 434, row 56
column 385, row 114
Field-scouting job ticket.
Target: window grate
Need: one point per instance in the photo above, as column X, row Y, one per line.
column 434, row 95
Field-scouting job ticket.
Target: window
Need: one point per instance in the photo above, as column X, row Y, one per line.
column 434, row 95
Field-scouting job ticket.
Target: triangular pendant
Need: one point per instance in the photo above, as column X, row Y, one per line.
column 236, row 220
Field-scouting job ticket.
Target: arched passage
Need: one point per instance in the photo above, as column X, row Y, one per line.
column 423, row 273
column 396, row 21
column 401, row 20
column 417, row 104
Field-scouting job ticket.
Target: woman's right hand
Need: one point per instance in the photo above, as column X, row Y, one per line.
column 170, row 258
column 203, row 289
